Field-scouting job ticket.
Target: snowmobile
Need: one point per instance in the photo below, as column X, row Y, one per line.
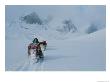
column 34, row 52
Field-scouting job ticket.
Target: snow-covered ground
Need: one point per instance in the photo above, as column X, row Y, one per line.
column 83, row 53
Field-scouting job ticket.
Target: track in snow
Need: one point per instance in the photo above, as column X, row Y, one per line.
column 27, row 66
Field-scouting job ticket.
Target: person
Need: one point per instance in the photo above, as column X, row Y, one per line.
column 38, row 49
column 44, row 44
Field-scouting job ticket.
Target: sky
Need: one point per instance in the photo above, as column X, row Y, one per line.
column 80, row 14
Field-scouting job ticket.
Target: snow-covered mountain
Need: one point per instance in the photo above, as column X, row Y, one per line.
column 31, row 29
column 58, row 19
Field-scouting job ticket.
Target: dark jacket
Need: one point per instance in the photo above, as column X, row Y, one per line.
column 35, row 40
